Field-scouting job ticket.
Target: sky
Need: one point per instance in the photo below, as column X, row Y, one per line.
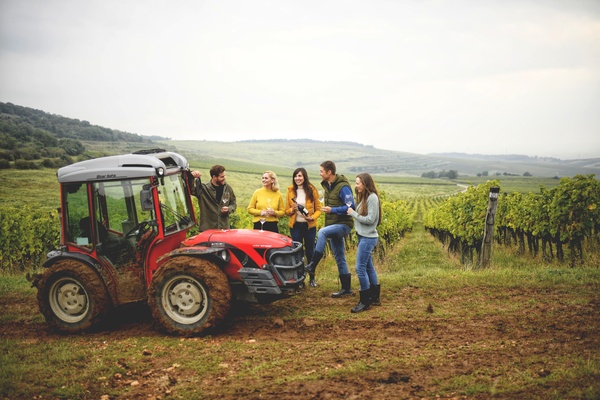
column 421, row 76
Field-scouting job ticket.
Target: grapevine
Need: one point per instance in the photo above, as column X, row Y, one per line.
column 566, row 215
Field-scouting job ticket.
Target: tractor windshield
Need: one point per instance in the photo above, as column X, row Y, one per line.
column 174, row 204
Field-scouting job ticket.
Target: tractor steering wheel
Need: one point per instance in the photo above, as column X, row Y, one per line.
column 138, row 229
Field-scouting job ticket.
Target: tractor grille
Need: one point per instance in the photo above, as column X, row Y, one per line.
column 288, row 263
column 287, row 256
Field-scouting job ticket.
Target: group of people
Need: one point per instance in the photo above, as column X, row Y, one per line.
column 217, row 201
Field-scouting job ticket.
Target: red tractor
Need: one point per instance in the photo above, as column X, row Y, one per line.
column 124, row 223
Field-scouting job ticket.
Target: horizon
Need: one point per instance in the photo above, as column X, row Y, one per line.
column 379, row 148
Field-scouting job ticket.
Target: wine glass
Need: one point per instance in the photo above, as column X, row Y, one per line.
column 262, row 223
column 269, row 208
column 348, row 200
column 321, row 196
column 225, row 198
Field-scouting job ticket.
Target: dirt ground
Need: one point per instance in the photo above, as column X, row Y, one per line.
column 410, row 348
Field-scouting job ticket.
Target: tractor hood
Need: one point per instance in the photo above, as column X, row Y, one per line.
column 239, row 238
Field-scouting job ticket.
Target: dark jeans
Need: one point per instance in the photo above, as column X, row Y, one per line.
column 305, row 235
column 269, row 226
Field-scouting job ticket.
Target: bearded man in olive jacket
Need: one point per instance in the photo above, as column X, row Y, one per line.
column 216, row 199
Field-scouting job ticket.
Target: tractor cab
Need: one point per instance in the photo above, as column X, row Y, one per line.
column 123, row 212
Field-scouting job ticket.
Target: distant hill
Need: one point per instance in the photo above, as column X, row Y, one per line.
column 30, row 134
column 498, row 157
column 354, row 158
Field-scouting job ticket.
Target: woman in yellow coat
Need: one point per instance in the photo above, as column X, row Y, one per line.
column 266, row 205
column 304, row 208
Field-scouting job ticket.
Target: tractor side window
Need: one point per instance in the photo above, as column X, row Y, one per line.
column 118, row 205
column 78, row 225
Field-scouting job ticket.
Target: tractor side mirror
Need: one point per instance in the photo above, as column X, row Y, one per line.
column 146, row 200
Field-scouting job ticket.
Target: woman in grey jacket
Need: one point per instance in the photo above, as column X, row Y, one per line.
column 367, row 217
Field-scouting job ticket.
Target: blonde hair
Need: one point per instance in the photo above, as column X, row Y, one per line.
column 273, row 175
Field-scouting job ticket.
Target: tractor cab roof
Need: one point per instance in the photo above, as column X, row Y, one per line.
column 142, row 164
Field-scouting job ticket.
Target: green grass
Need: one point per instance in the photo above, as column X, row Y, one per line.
column 14, row 283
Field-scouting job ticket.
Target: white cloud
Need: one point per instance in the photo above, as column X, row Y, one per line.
column 487, row 77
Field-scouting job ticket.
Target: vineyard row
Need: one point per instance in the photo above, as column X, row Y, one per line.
column 28, row 233
column 565, row 215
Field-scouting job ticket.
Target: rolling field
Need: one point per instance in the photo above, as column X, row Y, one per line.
column 522, row 328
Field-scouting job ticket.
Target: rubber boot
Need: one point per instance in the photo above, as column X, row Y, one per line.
column 346, row 286
column 364, row 303
column 312, row 265
column 312, row 280
column 375, row 290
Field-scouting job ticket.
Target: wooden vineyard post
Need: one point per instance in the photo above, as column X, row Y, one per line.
column 488, row 233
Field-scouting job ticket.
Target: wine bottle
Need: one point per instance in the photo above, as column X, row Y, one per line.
column 301, row 208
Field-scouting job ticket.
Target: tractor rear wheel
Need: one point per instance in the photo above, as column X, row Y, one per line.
column 72, row 297
column 188, row 295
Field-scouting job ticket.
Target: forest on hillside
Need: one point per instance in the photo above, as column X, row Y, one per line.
column 31, row 139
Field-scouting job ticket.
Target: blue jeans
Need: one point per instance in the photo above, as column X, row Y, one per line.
column 305, row 235
column 365, row 270
column 336, row 234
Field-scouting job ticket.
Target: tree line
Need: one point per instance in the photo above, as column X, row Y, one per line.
column 31, row 138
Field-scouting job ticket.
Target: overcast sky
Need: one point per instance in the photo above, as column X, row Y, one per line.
column 492, row 77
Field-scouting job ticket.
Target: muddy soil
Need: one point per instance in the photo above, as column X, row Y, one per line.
column 410, row 349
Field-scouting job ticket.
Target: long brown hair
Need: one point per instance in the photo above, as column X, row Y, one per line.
column 368, row 189
column 305, row 185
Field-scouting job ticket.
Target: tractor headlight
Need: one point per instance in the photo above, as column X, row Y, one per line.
column 224, row 255
column 160, row 171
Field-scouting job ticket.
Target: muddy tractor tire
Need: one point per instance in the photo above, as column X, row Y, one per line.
column 72, row 297
column 188, row 295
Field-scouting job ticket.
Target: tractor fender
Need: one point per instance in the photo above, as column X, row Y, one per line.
column 107, row 279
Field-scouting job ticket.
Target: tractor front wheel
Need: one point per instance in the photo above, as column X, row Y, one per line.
column 188, row 296
column 72, row 297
